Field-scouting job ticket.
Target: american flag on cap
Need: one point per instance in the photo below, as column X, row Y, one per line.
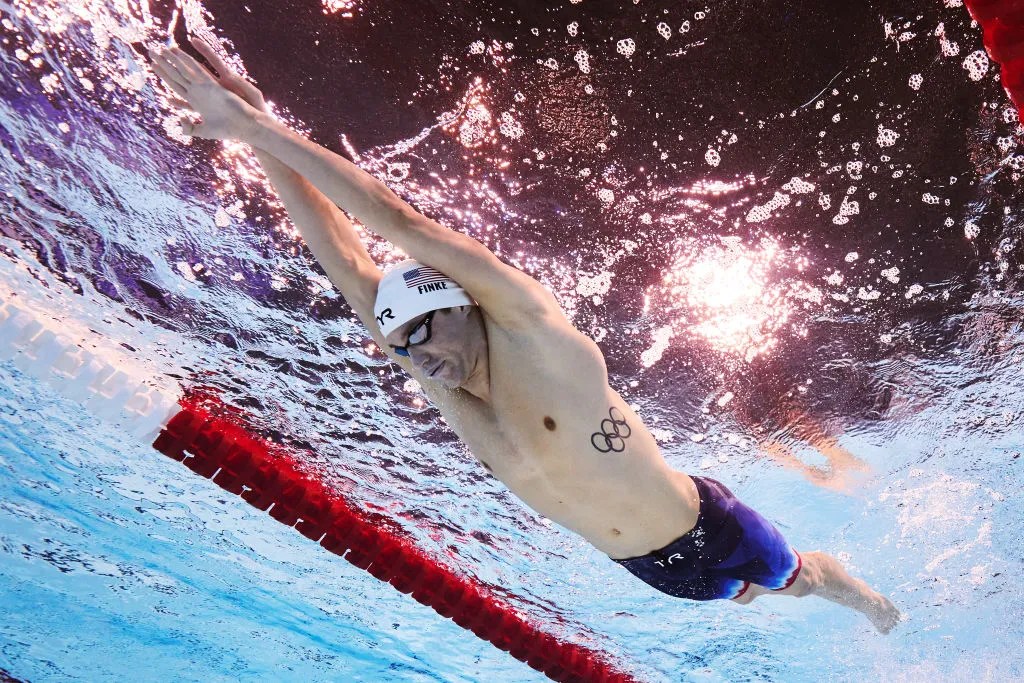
column 422, row 275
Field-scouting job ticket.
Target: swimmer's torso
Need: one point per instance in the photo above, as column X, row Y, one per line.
column 566, row 443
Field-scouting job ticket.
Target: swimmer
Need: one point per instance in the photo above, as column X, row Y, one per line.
column 525, row 390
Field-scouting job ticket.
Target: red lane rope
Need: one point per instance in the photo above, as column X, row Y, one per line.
column 1002, row 23
column 211, row 439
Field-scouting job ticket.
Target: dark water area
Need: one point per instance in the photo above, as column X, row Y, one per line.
column 784, row 224
column 705, row 116
column 743, row 64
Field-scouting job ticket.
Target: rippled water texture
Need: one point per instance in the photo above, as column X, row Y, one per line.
column 794, row 230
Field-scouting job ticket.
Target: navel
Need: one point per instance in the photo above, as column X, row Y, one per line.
column 616, row 532
column 549, row 423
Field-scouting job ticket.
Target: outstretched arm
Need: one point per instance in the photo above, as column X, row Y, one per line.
column 323, row 226
column 506, row 294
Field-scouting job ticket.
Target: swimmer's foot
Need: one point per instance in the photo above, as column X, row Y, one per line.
column 840, row 587
column 882, row 613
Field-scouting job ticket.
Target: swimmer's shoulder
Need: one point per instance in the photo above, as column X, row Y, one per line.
column 546, row 337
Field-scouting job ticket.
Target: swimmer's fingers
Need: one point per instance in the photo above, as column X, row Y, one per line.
column 179, row 103
column 168, row 69
column 188, row 127
column 174, row 85
column 169, row 79
column 187, row 66
column 229, row 78
column 207, row 51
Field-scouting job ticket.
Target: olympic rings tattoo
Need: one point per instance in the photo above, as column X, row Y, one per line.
column 613, row 434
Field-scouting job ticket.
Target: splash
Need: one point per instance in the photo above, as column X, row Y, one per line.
column 473, row 124
column 730, row 295
column 344, row 8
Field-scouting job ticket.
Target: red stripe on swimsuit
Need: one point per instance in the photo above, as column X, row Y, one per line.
column 796, row 572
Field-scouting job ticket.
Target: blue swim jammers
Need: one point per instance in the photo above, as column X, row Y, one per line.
column 731, row 547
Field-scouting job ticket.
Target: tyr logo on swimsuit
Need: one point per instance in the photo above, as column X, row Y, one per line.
column 613, row 434
column 673, row 556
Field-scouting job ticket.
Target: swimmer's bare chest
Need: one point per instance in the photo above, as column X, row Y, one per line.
column 566, row 443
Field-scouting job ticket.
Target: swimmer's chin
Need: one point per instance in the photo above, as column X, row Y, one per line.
column 449, row 382
column 444, row 379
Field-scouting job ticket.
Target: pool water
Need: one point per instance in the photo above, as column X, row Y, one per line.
column 794, row 233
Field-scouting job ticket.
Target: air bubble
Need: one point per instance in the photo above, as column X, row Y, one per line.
column 764, row 211
column 398, row 171
column 798, row 186
column 976, row 65
column 868, row 294
column 509, row 127
column 886, row 137
column 221, row 219
column 583, row 60
column 626, row 47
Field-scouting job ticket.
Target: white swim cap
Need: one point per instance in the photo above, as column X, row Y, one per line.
column 409, row 289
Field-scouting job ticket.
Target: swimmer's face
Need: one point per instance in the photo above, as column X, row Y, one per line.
column 456, row 348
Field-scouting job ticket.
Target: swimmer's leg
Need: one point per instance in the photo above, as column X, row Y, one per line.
column 822, row 575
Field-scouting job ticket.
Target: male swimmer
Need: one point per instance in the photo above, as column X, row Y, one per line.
column 525, row 390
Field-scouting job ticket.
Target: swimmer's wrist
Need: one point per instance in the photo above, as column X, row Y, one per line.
column 256, row 127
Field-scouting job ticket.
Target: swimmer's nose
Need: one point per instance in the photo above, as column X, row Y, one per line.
column 422, row 359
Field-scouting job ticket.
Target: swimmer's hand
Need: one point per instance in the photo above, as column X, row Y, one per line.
column 229, row 78
column 225, row 115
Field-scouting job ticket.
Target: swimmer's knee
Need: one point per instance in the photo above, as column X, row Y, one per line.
column 744, row 599
column 808, row 580
column 749, row 595
column 811, row 575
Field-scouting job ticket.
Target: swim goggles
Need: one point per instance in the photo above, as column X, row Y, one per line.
column 417, row 335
